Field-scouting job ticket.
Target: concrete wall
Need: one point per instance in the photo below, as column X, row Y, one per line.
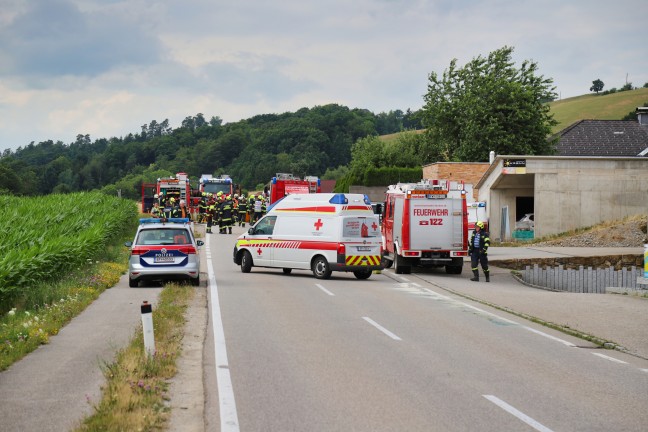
column 375, row 193
column 569, row 193
column 584, row 194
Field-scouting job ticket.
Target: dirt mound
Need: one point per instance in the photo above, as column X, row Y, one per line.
column 630, row 232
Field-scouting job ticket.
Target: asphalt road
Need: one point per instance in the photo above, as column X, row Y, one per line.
column 395, row 352
column 293, row 353
column 54, row 387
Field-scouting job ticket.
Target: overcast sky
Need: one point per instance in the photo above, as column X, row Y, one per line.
column 106, row 67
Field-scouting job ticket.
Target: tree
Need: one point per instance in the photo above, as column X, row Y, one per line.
column 597, row 86
column 488, row 105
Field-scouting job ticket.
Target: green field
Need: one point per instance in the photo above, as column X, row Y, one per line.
column 592, row 107
column 44, row 237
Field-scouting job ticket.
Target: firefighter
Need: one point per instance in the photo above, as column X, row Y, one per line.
column 242, row 210
column 478, row 250
column 226, row 213
column 211, row 210
column 258, row 208
column 251, row 201
column 181, row 211
column 169, row 208
column 155, row 210
column 202, row 208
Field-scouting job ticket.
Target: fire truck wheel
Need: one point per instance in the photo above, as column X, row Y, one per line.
column 246, row 262
column 400, row 268
column 362, row 274
column 386, row 263
column 454, row 269
column 321, row 268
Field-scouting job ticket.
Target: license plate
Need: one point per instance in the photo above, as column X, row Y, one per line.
column 164, row 259
column 364, row 248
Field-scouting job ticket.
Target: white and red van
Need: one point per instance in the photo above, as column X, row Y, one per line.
column 321, row 232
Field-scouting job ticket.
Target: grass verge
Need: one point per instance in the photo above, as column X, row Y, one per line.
column 133, row 398
column 44, row 308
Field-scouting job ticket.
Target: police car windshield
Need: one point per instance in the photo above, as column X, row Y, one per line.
column 163, row 236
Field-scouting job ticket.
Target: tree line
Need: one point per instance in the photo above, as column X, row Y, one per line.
column 487, row 104
column 309, row 141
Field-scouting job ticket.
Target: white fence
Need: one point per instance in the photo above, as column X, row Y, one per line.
column 583, row 280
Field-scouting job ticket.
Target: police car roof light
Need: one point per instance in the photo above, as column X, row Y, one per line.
column 339, row 198
column 163, row 220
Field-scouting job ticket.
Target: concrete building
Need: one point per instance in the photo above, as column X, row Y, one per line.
column 564, row 193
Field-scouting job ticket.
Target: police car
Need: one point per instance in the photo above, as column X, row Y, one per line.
column 164, row 249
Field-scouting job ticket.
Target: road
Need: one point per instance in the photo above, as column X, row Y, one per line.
column 392, row 353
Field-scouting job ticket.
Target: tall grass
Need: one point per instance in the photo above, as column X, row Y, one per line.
column 44, row 237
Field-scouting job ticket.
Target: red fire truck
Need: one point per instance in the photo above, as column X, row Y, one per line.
column 177, row 187
column 213, row 185
column 285, row 184
column 425, row 224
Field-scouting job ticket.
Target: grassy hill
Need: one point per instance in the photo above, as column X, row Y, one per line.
column 586, row 107
column 592, row 107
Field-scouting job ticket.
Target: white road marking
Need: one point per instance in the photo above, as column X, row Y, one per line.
column 404, row 278
column 612, row 359
column 324, row 289
column 519, row 414
column 538, row 332
column 554, row 338
column 381, row 328
column 227, row 404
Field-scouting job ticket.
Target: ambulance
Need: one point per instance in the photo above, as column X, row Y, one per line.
column 321, row 232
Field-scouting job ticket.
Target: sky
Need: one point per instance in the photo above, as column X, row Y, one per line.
column 107, row 67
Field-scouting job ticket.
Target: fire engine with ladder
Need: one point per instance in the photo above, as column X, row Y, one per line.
column 425, row 224
column 285, row 184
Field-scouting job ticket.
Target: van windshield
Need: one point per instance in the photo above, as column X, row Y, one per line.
column 360, row 227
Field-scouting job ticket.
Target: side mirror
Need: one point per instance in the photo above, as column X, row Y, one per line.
column 128, row 243
column 200, row 242
column 251, row 231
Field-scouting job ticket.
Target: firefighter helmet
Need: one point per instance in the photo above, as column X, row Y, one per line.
column 480, row 224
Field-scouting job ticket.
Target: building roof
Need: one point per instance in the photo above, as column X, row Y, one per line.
column 603, row 138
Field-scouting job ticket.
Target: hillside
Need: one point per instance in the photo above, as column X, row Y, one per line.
column 592, row 107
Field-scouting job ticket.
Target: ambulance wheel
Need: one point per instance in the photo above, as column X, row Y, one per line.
column 362, row 274
column 246, row 262
column 287, row 270
column 321, row 268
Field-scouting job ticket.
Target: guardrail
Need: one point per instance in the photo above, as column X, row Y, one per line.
column 583, row 280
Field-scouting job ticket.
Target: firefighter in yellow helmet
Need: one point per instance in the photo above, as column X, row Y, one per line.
column 478, row 250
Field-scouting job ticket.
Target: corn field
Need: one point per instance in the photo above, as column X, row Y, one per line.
column 43, row 237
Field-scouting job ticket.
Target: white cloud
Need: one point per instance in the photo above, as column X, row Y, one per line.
column 104, row 68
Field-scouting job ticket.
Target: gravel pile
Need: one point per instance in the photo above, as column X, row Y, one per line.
column 630, row 233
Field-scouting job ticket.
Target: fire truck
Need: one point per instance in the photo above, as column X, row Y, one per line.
column 213, row 185
column 285, row 184
column 177, row 187
column 425, row 224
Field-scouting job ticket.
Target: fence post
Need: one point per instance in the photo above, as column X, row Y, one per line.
column 147, row 328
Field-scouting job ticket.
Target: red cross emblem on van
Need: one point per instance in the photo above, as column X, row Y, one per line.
column 318, row 224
